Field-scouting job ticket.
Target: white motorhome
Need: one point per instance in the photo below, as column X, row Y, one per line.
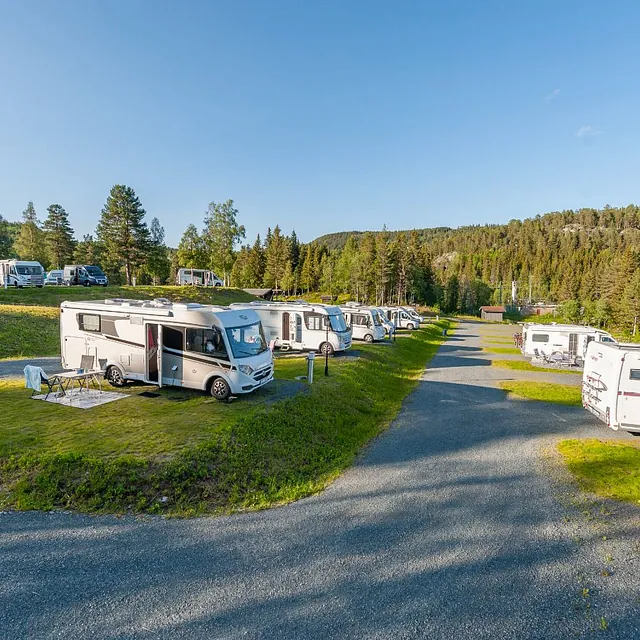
column 414, row 314
column 301, row 326
column 611, row 385
column 364, row 322
column 566, row 339
column 215, row 349
column 198, row 277
column 401, row 318
column 21, row 273
column 389, row 325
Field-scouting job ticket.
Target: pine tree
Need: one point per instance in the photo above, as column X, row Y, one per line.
column 158, row 265
column 306, row 274
column 87, row 251
column 123, row 232
column 59, row 239
column 629, row 310
column 276, row 256
column 6, row 242
column 255, row 265
column 29, row 244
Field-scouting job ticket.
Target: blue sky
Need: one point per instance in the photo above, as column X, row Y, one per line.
column 320, row 116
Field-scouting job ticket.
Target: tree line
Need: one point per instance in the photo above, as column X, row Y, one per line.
column 589, row 259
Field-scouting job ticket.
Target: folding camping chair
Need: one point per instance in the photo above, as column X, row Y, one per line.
column 49, row 381
column 86, row 363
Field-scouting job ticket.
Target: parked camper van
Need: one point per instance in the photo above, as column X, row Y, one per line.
column 414, row 314
column 611, row 384
column 216, row 349
column 567, row 339
column 86, row 275
column 198, row 277
column 55, row 276
column 21, row 273
column 301, row 326
column 364, row 322
column 401, row 318
column 388, row 325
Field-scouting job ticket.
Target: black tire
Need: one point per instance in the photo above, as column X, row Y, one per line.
column 411, row 326
column 219, row 389
column 15, row 284
column 105, row 285
column 326, row 349
column 39, row 286
column 86, row 283
column 114, row 377
column 368, row 338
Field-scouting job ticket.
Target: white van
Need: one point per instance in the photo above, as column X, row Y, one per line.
column 566, row 339
column 364, row 322
column 21, row 273
column 300, row 326
column 216, row 349
column 611, row 385
column 401, row 318
column 198, row 277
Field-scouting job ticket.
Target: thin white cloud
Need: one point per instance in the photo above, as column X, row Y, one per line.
column 553, row 95
column 587, row 131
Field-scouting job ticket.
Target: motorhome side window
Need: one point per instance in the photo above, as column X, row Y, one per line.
column 314, row 321
column 540, row 337
column 88, row 322
column 207, row 341
column 634, row 374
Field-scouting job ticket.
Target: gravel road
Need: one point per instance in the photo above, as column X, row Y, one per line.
column 15, row 368
column 451, row 525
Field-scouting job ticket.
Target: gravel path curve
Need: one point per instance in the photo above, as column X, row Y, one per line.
column 448, row 526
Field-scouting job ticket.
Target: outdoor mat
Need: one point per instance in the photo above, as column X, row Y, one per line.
column 149, row 394
column 83, row 399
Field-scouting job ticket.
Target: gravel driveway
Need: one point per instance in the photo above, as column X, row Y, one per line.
column 15, row 368
column 451, row 525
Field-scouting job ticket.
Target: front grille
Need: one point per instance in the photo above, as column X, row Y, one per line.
column 262, row 374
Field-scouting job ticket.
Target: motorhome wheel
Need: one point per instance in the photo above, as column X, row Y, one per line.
column 219, row 389
column 411, row 326
column 368, row 338
column 326, row 349
column 114, row 377
column 87, row 283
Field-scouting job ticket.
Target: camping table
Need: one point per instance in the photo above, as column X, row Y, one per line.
column 69, row 379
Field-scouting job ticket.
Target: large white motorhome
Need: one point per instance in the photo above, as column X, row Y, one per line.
column 301, row 326
column 566, row 339
column 364, row 322
column 611, row 384
column 401, row 318
column 215, row 349
column 21, row 273
column 414, row 314
column 389, row 325
column 198, row 277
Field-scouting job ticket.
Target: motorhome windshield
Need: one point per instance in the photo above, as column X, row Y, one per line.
column 28, row 271
column 94, row 271
column 376, row 318
column 247, row 341
column 337, row 323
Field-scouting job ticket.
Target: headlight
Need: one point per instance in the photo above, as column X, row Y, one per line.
column 246, row 369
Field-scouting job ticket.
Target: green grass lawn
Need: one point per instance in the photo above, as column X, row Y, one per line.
column 608, row 469
column 52, row 296
column 503, row 350
column 545, row 392
column 29, row 331
column 203, row 456
column 520, row 365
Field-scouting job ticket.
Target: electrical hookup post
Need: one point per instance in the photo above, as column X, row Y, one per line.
column 310, row 360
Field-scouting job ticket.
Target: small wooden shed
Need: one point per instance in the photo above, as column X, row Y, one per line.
column 492, row 313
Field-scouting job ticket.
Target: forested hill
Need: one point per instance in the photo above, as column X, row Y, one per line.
column 338, row 240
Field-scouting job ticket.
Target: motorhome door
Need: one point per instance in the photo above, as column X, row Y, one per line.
column 152, row 356
column 629, row 393
column 573, row 344
column 295, row 330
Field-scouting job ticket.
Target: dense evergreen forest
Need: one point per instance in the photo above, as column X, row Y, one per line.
column 588, row 260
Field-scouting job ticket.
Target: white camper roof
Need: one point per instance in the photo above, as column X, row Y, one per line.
column 575, row 328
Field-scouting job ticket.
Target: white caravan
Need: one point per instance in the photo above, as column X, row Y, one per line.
column 567, row 339
column 198, row 277
column 21, row 273
column 215, row 349
column 401, row 318
column 364, row 322
column 611, row 385
column 301, row 326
